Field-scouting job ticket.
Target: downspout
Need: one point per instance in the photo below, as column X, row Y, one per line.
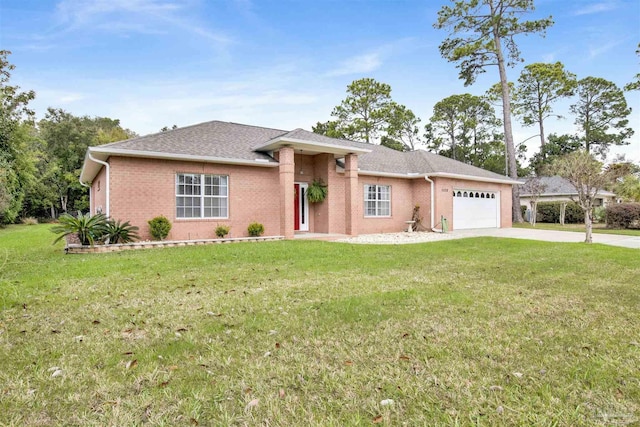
column 106, row 165
column 433, row 214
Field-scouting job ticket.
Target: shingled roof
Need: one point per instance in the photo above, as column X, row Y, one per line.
column 555, row 186
column 226, row 142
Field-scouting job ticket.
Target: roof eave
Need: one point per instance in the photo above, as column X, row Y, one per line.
column 391, row 174
column 310, row 146
column 103, row 154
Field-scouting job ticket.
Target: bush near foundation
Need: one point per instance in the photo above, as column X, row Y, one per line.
column 222, row 231
column 159, row 227
column 255, row 229
column 623, row 215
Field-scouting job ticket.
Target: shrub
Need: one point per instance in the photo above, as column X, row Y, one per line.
column 255, row 229
column 29, row 221
column 599, row 214
column 89, row 229
column 623, row 215
column 121, row 232
column 550, row 212
column 222, row 231
column 159, row 227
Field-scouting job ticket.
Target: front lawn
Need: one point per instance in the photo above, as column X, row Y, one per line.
column 461, row 332
column 597, row 228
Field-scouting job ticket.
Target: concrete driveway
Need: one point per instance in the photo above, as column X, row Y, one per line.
column 551, row 236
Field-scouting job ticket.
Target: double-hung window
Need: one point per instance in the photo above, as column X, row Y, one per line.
column 377, row 200
column 202, row 196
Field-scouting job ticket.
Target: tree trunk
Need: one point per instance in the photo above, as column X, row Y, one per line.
column 534, row 213
column 588, row 225
column 563, row 210
column 542, row 139
column 516, row 213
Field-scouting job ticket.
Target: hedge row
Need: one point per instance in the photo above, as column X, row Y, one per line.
column 623, row 215
column 550, row 212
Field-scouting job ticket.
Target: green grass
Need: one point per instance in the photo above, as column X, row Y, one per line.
column 478, row 331
column 597, row 228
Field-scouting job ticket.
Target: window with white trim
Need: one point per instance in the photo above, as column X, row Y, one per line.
column 202, row 196
column 377, row 200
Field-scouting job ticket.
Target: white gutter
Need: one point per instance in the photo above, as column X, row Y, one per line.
column 476, row 178
column 439, row 174
column 433, row 228
column 188, row 157
column 106, row 165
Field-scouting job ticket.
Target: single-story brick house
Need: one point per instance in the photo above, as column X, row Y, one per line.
column 226, row 173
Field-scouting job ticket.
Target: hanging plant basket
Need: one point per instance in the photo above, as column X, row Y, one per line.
column 317, row 191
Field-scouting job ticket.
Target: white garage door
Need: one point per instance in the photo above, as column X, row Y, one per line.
column 476, row 209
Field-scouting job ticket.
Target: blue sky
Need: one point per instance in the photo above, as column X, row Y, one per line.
column 282, row 63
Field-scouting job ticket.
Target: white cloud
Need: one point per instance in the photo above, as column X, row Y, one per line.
column 604, row 6
column 372, row 60
column 124, row 17
column 358, row 65
column 595, row 51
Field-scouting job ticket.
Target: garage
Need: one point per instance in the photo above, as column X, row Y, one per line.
column 476, row 209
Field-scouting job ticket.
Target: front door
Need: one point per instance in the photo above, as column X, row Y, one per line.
column 301, row 207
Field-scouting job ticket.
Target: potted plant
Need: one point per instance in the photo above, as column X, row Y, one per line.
column 317, row 191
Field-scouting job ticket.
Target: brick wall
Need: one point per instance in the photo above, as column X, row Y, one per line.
column 402, row 203
column 144, row 188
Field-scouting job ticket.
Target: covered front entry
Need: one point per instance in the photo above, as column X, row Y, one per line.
column 301, row 207
column 476, row 209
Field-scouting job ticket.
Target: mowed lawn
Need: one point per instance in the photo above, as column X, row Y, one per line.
column 301, row 333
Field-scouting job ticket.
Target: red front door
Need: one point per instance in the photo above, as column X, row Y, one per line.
column 296, row 208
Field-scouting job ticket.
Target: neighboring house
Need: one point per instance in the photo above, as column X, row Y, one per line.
column 558, row 189
column 226, row 173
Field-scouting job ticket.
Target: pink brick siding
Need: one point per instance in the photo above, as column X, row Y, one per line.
column 402, row 203
column 144, row 188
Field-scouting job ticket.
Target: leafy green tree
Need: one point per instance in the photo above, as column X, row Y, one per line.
column 628, row 188
column 66, row 139
column 16, row 128
column 482, row 34
column 556, row 146
column 464, row 127
column 625, row 177
column 587, row 176
column 364, row 113
column 402, row 126
column 330, row 128
column 635, row 84
column 601, row 107
column 394, row 144
column 539, row 86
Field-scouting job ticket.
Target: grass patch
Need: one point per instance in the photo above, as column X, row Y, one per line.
column 478, row 331
column 597, row 228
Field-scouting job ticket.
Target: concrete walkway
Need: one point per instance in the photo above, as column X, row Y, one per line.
column 551, row 236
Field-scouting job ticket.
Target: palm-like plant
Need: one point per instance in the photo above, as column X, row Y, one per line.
column 121, row 232
column 88, row 228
